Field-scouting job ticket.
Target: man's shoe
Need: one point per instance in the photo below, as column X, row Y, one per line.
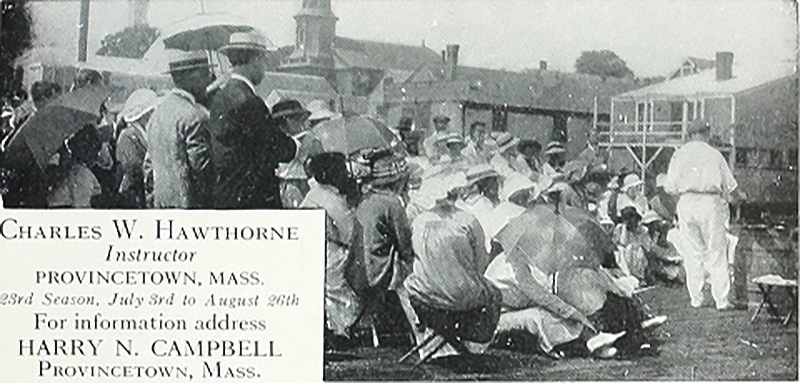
column 602, row 339
column 654, row 322
column 606, row 352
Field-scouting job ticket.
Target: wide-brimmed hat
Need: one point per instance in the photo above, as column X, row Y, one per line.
column 319, row 111
column 451, row 138
column 246, row 40
column 506, row 141
column 139, row 103
column 631, row 180
column 183, row 60
column 554, row 147
column 516, row 184
column 481, row 172
column 288, row 107
column 387, row 170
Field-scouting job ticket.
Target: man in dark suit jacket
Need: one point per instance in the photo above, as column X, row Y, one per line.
column 247, row 146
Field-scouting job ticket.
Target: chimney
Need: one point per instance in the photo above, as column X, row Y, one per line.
column 724, row 66
column 450, row 62
column 542, row 64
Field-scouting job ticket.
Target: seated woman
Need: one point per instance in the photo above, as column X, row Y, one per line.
column 327, row 190
column 73, row 183
column 448, row 271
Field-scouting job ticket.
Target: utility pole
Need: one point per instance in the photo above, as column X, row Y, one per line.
column 83, row 36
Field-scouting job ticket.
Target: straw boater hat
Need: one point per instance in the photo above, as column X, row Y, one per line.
column 631, row 180
column 182, row 60
column 481, row 172
column 139, row 103
column 246, row 41
column 506, row 141
column 288, row 107
column 451, row 138
column 554, row 147
column 319, row 111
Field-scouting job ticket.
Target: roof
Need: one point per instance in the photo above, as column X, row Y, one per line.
column 352, row 53
column 542, row 89
column 698, row 64
column 310, row 87
column 705, row 83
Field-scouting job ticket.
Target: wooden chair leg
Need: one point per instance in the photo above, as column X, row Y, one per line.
column 418, row 347
column 430, row 354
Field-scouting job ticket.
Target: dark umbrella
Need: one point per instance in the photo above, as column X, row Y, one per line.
column 555, row 238
column 350, row 134
column 204, row 32
column 47, row 129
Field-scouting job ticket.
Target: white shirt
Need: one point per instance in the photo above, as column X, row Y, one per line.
column 699, row 168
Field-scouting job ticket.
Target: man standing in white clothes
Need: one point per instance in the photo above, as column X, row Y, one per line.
column 699, row 175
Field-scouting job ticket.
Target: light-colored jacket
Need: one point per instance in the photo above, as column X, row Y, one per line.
column 179, row 153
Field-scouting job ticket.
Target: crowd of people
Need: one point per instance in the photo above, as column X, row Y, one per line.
column 428, row 220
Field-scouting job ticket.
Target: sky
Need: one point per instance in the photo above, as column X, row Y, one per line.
column 652, row 36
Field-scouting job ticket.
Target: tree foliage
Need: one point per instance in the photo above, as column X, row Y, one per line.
column 603, row 63
column 131, row 42
column 15, row 39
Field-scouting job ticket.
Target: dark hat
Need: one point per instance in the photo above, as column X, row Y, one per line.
column 698, row 126
column 288, row 107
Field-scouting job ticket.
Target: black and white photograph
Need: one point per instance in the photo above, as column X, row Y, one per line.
column 519, row 190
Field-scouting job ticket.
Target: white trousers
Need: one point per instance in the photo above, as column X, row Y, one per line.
column 703, row 225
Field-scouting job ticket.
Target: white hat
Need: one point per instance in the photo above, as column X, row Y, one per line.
column 631, row 180
column 138, row 104
column 246, row 40
column 650, row 216
column 319, row 111
column 515, row 184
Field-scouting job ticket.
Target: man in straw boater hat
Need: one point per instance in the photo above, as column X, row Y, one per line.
column 556, row 158
column 429, row 145
column 247, row 145
column 699, row 175
column 178, row 137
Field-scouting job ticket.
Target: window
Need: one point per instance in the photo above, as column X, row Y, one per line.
column 499, row 119
column 792, row 158
column 741, row 157
column 776, row 159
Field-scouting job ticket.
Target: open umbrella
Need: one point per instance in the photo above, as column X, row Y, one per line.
column 349, row 134
column 47, row 129
column 555, row 239
column 205, row 32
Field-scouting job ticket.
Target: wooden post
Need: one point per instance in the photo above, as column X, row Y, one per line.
column 83, row 33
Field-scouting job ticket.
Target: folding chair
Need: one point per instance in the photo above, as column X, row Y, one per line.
column 766, row 285
column 444, row 325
